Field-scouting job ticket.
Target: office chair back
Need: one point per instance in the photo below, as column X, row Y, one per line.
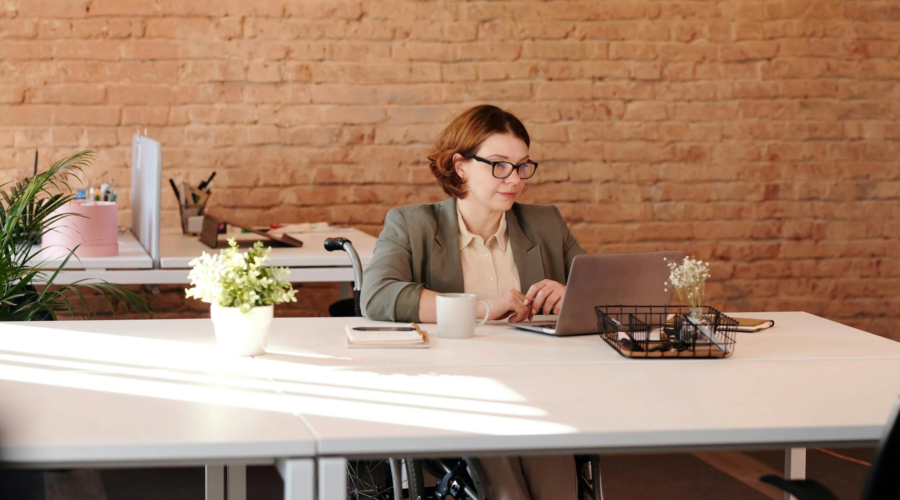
column 883, row 482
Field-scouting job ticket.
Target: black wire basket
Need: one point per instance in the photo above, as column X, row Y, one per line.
column 667, row 331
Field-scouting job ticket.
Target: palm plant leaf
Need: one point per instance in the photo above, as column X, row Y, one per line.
column 28, row 210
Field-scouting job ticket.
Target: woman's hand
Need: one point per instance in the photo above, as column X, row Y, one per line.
column 546, row 295
column 510, row 303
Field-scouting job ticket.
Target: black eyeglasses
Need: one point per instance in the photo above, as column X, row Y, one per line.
column 503, row 169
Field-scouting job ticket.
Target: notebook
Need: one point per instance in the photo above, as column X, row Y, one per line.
column 748, row 325
column 388, row 336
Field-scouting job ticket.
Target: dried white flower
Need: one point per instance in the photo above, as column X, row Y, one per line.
column 689, row 280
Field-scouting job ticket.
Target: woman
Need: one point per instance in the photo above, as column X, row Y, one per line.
column 481, row 161
column 480, row 241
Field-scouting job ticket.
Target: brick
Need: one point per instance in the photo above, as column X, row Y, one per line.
column 622, row 90
column 180, row 28
column 40, row 8
column 646, row 111
column 695, row 52
column 553, row 50
column 140, row 94
column 640, row 51
column 410, row 94
column 149, row 49
column 360, row 51
column 558, row 91
column 263, row 72
column 19, row 28
column 26, row 50
column 705, row 112
column 422, row 51
column 352, row 115
column 68, row 94
column 376, row 73
column 145, row 115
column 545, row 30
column 122, row 8
column 12, row 94
column 26, row 115
column 94, row 115
column 748, row 51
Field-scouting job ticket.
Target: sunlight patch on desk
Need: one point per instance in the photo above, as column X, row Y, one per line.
column 302, row 354
column 454, row 421
column 412, row 400
column 206, row 358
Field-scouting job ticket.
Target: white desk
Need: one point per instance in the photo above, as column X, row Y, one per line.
column 77, row 398
column 805, row 382
column 133, row 266
column 132, row 257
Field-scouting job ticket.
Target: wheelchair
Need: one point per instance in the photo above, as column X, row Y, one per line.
column 426, row 478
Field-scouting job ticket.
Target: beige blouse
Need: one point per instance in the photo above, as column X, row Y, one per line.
column 489, row 267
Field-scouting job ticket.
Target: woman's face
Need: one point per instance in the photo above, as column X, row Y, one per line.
column 485, row 189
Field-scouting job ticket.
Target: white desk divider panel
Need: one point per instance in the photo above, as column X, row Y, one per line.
column 146, row 178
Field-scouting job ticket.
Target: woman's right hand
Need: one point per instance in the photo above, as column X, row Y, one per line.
column 512, row 304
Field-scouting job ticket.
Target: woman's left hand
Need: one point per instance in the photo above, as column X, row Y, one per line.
column 546, row 295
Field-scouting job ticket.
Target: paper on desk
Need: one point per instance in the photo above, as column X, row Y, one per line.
column 303, row 227
column 641, row 336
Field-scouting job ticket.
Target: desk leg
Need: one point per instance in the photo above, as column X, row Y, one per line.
column 236, row 482
column 215, row 482
column 332, row 478
column 794, row 465
column 299, row 476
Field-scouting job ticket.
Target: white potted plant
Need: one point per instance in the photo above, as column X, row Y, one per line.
column 242, row 292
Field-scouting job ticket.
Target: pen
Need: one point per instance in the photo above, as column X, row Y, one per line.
column 175, row 189
column 207, row 181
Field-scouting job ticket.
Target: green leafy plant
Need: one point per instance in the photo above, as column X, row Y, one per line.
column 27, row 212
column 235, row 279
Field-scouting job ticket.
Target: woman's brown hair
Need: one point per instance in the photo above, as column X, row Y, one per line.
column 463, row 136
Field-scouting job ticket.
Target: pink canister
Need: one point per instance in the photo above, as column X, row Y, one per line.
column 95, row 232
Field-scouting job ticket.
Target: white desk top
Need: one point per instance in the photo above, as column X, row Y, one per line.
column 131, row 256
column 602, row 407
column 806, row 381
column 71, row 397
column 177, row 250
column 322, row 342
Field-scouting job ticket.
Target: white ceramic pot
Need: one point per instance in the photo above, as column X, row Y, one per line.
column 242, row 334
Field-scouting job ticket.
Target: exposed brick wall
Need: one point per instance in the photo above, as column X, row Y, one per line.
column 762, row 135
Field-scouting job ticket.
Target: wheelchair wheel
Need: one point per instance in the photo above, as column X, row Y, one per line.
column 369, row 480
column 415, row 478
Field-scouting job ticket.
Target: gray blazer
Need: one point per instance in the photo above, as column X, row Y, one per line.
column 419, row 248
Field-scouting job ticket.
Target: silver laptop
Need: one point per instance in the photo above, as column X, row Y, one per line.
column 630, row 279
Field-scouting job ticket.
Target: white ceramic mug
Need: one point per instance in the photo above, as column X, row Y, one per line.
column 456, row 315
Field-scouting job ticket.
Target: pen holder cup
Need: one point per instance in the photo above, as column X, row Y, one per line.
column 189, row 220
column 667, row 331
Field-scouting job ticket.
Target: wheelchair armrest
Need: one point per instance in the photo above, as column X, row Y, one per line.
column 801, row 489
